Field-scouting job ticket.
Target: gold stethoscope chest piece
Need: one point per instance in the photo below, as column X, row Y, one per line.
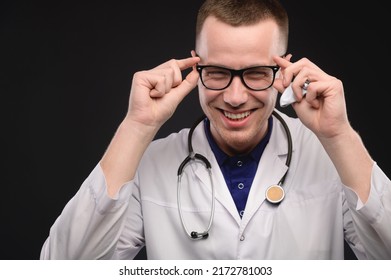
column 275, row 194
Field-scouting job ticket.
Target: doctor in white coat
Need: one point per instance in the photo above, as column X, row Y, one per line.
column 216, row 204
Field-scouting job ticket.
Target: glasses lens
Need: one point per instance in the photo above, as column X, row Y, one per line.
column 259, row 78
column 215, row 77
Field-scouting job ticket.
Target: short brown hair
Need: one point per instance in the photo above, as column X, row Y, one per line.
column 244, row 12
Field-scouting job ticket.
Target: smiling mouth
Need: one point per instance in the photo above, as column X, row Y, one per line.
column 237, row 117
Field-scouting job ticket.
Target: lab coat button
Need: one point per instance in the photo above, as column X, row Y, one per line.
column 242, row 238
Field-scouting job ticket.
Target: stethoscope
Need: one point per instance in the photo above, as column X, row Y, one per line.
column 274, row 194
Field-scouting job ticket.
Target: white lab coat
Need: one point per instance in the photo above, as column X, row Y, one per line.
column 318, row 212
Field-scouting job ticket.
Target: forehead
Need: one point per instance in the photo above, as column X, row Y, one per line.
column 219, row 42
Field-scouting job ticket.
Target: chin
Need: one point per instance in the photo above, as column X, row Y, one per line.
column 240, row 142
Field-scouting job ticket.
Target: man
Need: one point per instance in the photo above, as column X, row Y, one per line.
column 217, row 204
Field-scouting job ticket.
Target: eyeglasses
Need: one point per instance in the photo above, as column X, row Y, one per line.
column 254, row 78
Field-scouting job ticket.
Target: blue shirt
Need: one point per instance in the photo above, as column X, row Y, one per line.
column 239, row 170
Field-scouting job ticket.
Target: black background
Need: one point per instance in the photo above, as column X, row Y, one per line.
column 65, row 73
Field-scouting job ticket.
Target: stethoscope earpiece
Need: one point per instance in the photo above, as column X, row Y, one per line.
column 196, row 235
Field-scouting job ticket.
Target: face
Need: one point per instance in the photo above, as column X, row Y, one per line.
column 238, row 115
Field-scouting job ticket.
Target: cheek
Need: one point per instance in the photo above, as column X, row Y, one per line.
column 201, row 97
column 267, row 96
column 273, row 96
column 206, row 96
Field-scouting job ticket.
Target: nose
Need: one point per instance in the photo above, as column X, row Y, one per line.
column 236, row 94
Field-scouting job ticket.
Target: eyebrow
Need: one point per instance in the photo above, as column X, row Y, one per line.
column 282, row 56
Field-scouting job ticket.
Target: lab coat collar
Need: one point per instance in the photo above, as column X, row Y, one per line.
column 270, row 170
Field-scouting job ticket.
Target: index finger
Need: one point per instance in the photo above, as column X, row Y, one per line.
column 187, row 62
column 182, row 64
column 283, row 62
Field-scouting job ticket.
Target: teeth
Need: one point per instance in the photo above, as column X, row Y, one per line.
column 237, row 116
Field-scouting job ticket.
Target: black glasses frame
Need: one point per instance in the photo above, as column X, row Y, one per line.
column 239, row 73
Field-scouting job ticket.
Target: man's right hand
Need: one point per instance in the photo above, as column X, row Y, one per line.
column 156, row 93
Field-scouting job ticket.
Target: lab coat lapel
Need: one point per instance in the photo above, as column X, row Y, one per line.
column 223, row 196
column 271, row 169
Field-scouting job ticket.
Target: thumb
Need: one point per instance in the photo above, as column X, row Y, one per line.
column 278, row 85
column 186, row 86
